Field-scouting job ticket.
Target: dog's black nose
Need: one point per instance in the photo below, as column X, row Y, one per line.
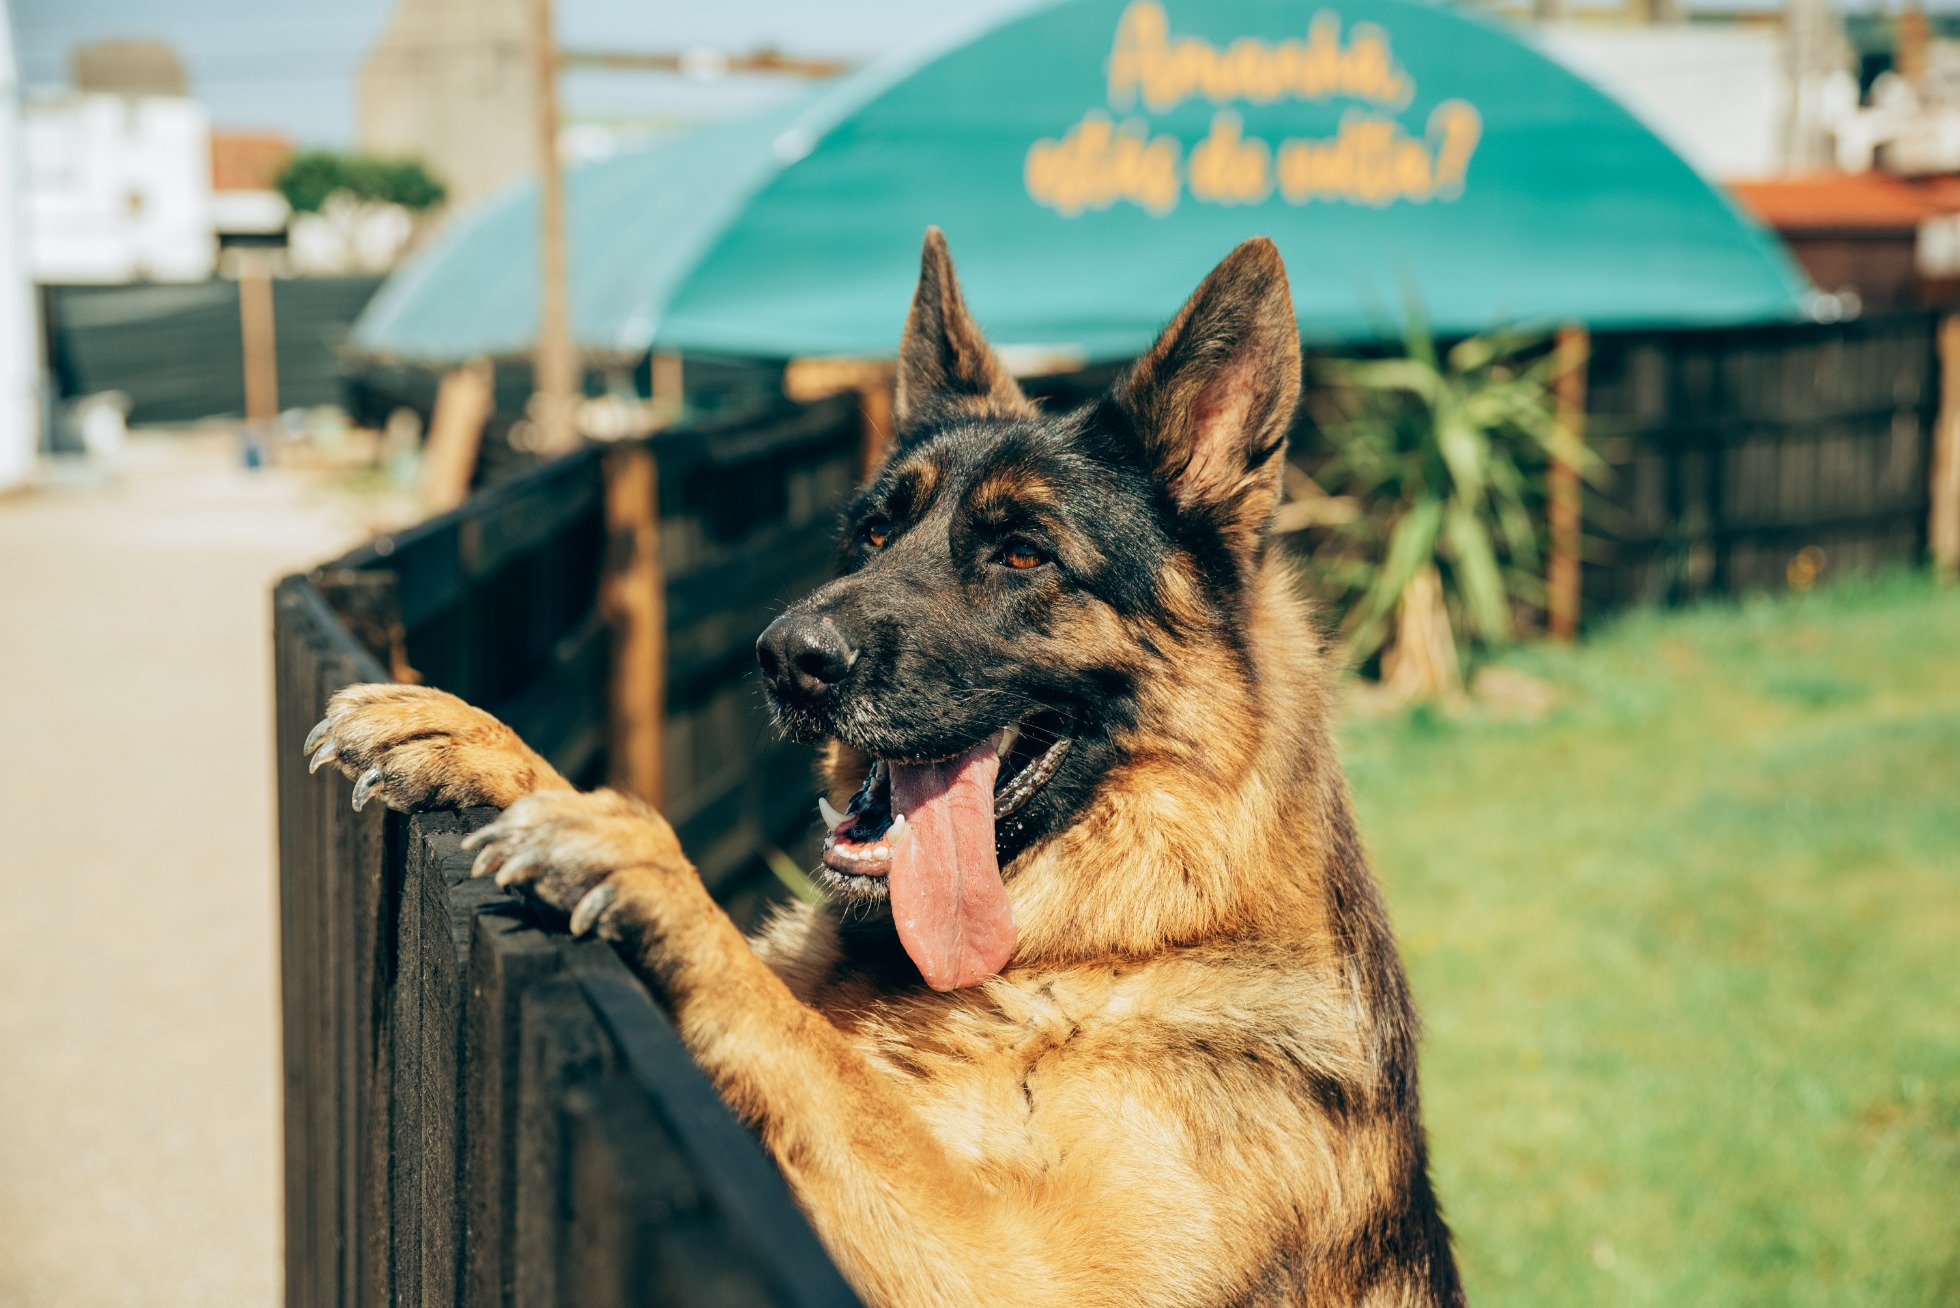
column 803, row 656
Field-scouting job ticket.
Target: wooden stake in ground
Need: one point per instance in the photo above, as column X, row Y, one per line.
column 1943, row 525
column 666, row 387
column 556, row 362
column 463, row 405
column 1562, row 575
column 1421, row 664
column 261, row 344
column 633, row 597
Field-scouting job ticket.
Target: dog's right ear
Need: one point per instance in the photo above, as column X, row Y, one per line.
column 1211, row 401
column 945, row 366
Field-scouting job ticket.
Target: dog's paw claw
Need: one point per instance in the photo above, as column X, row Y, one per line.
column 364, row 788
column 597, row 900
column 487, row 858
column 516, row 866
column 418, row 748
column 589, row 856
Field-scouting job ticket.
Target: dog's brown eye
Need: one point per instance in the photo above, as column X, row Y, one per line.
column 876, row 534
column 1022, row 556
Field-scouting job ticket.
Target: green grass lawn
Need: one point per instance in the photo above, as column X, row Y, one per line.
column 1688, row 950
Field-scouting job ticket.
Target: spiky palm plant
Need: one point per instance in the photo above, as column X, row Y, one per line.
column 1440, row 457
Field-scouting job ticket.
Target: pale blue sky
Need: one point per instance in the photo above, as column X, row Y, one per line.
column 289, row 65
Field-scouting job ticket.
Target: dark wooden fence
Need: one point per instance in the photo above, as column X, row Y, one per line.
column 479, row 1111
column 1745, row 459
column 177, row 351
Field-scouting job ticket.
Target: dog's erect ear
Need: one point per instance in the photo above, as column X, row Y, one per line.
column 945, row 366
column 1212, row 399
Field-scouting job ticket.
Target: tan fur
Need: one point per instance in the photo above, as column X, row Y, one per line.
column 1194, row 1082
column 1119, row 1117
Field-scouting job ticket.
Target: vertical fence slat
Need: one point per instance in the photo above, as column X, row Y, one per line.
column 442, row 984
column 505, row 960
column 401, row 1079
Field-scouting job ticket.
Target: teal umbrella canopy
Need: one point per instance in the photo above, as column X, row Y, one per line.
column 1089, row 161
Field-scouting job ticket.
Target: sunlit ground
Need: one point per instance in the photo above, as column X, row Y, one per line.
column 1689, row 953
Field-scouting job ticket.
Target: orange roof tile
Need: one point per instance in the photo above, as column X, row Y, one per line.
column 247, row 161
column 1870, row 201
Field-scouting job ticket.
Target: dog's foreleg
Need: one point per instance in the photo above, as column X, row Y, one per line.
column 907, row 1223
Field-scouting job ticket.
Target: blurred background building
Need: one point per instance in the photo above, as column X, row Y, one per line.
column 449, row 82
column 171, row 148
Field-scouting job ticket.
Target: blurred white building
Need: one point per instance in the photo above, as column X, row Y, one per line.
column 118, row 173
column 20, row 373
column 1719, row 94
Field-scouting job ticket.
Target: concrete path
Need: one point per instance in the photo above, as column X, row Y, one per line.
column 139, row 1076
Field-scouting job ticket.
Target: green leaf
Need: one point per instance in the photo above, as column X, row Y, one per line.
column 1412, row 545
column 1513, row 519
column 1481, row 583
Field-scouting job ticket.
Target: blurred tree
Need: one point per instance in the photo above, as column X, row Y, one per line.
column 313, row 176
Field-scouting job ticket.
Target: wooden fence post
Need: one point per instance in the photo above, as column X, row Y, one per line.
column 1562, row 575
column 556, row 374
column 464, row 402
column 875, row 380
column 875, row 402
column 634, row 600
column 666, row 387
column 260, row 340
column 1943, row 525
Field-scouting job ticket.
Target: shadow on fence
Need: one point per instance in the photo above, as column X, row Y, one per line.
column 479, row 1111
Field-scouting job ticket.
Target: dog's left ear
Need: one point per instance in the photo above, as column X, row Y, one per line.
column 945, row 366
column 1212, row 400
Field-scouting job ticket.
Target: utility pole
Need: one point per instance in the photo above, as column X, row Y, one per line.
column 555, row 385
column 1813, row 49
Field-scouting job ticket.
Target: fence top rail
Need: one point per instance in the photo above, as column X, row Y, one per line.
column 733, row 436
column 305, row 598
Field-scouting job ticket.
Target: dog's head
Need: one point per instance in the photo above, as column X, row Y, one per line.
column 1014, row 582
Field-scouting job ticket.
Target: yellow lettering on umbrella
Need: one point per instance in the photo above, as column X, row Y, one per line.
column 1097, row 163
column 1165, row 71
column 1226, row 168
column 1371, row 159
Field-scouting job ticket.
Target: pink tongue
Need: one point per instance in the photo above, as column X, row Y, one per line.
column 947, row 898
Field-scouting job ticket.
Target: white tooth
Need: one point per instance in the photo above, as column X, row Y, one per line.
column 831, row 817
column 883, row 851
column 896, row 830
column 1008, row 736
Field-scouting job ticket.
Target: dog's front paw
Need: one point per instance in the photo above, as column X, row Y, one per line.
column 584, row 854
column 420, row 748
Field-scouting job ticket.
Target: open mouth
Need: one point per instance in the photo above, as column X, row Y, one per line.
column 861, row 839
column 921, row 834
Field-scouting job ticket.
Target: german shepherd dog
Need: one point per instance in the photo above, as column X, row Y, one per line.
column 1103, row 1008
